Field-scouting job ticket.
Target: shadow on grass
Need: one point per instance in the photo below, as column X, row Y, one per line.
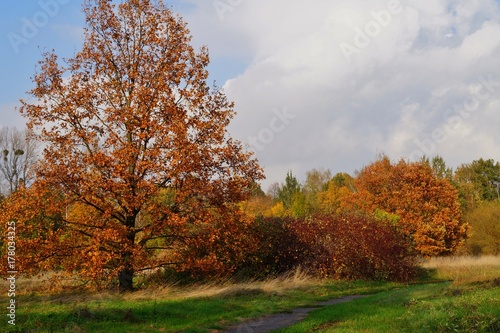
column 142, row 315
column 214, row 311
column 427, row 275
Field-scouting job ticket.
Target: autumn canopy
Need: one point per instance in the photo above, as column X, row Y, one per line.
column 137, row 159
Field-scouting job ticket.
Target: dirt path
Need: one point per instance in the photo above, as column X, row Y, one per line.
column 281, row 320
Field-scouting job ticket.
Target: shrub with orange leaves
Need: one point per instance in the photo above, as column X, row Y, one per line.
column 428, row 207
column 218, row 248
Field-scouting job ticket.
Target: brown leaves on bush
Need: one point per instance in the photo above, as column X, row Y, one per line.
column 344, row 247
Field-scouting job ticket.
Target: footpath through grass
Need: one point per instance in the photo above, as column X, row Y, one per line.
column 174, row 309
column 471, row 303
column 419, row 308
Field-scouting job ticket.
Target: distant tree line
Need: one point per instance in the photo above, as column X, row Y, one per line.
column 444, row 210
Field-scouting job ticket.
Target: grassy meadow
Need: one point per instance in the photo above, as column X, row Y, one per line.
column 468, row 301
column 455, row 295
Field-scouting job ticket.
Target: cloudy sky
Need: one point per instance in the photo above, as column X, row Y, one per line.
column 317, row 83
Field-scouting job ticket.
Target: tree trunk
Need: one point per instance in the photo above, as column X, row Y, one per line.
column 126, row 274
column 125, row 279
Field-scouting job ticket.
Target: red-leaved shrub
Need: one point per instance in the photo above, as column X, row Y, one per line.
column 343, row 247
column 355, row 247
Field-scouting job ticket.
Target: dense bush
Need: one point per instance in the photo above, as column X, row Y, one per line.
column 215, row 250
column 356, row 247
column 347, row 247
column 279, row 249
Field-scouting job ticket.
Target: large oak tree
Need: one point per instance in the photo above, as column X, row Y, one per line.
column 137, row 157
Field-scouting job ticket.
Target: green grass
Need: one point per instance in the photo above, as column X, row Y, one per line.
column 201, row 309
column 419, row 308
column 469, row 302
column 457, row 296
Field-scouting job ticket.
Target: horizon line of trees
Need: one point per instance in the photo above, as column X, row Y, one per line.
column 477, row 185
column 422, row 208
column 472, row 191
column 477, row 181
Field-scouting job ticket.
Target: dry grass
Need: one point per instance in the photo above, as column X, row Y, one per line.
column 460, row 269
column 278, row 285
column 462, row 261
column 465, row 269
column 42, row 283
column 43, row 288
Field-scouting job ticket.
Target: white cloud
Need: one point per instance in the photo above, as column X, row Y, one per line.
column 404, row 84
column 394, row 92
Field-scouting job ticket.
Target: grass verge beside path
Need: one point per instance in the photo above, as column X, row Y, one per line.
column 468, row 303
column 418, row 308
column 204, row 309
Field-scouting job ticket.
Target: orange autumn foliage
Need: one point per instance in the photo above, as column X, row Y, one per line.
column 137, row 159
column 428, row 207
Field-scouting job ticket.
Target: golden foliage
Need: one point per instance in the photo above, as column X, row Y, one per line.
column 485, row 229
